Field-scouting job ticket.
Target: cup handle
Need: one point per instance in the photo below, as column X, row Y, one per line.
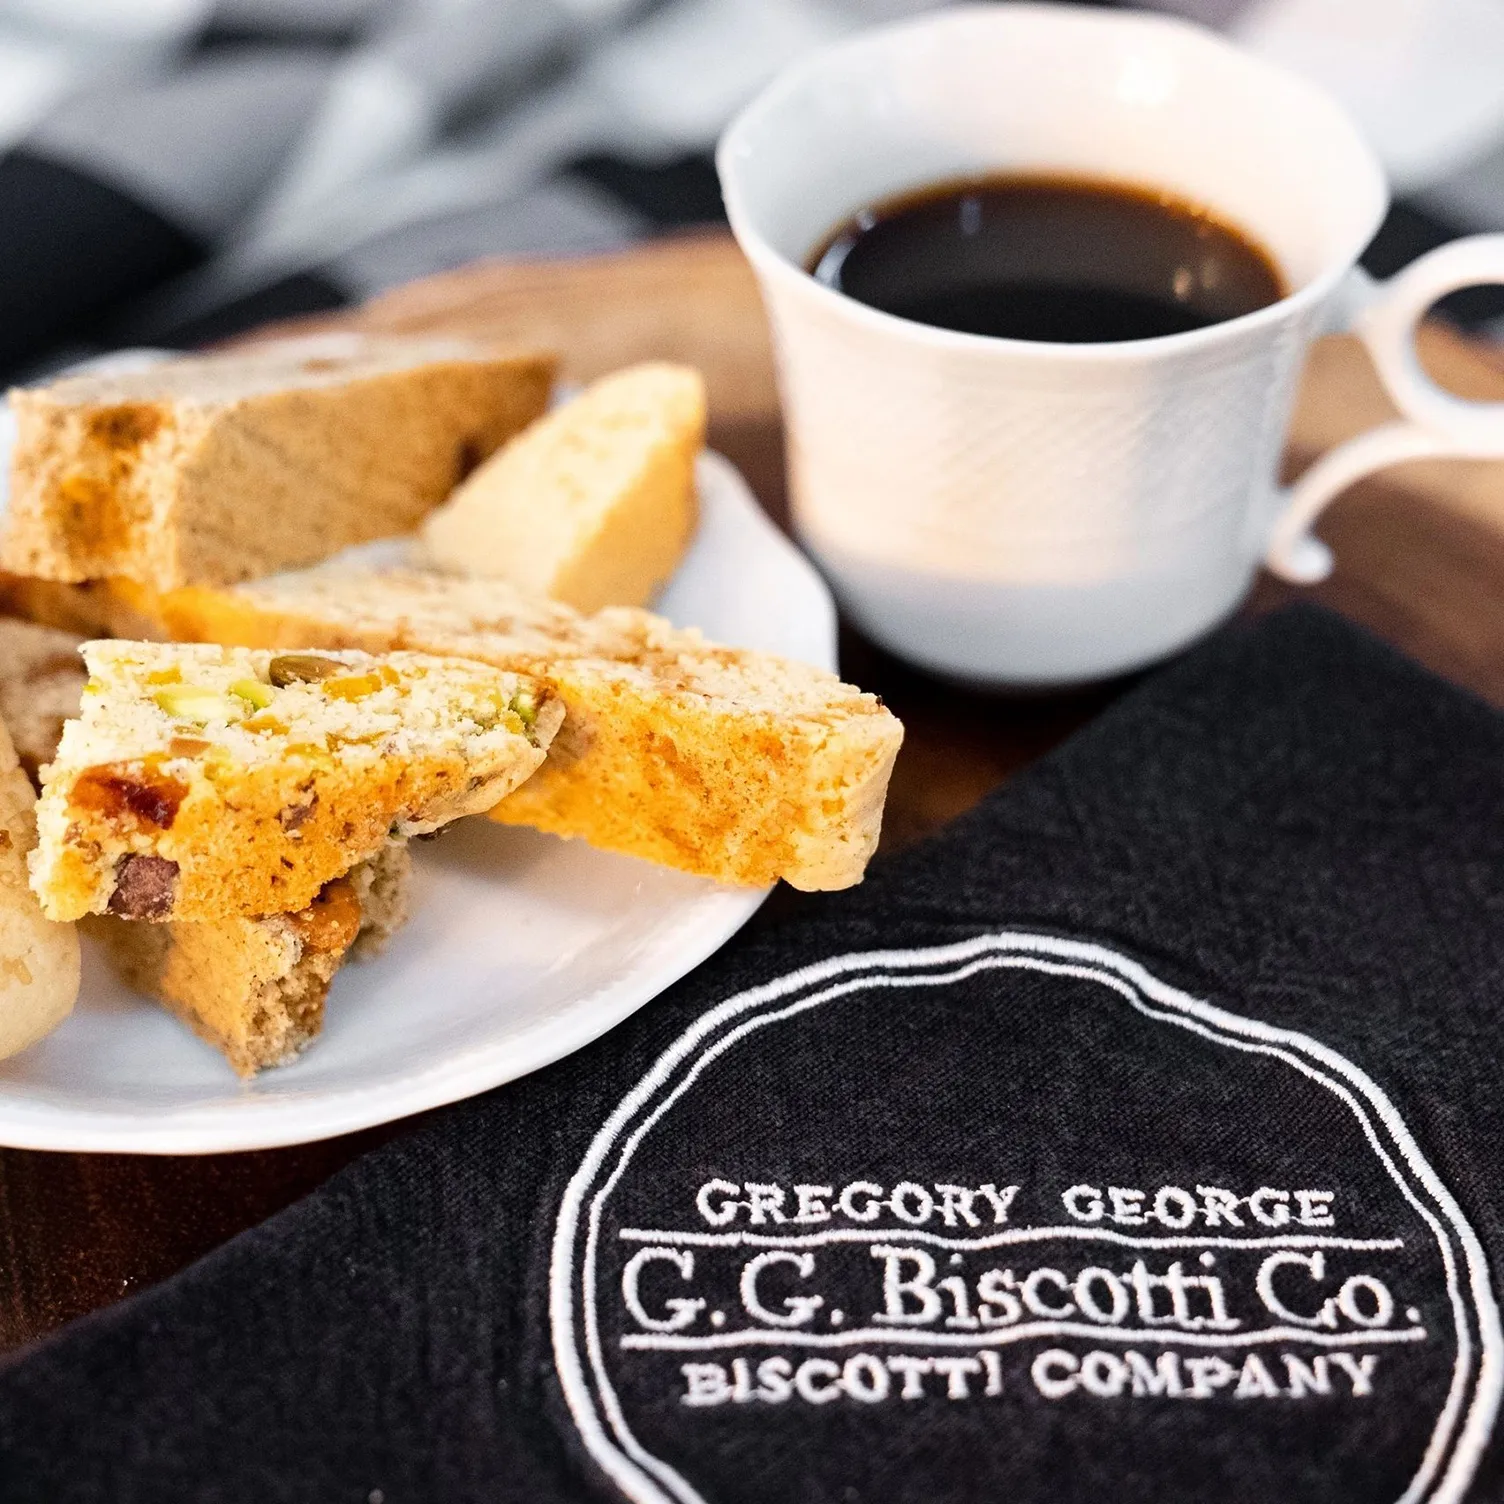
column 1433, row 423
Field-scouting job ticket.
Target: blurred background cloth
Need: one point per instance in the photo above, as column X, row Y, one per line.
column 174, row 171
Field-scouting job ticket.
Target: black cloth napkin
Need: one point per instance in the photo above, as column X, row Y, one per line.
column 1137, row 1138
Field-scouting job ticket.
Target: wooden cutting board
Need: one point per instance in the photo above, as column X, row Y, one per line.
column 1420, row 560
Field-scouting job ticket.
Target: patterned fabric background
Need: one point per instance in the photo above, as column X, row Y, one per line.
column 174, row 170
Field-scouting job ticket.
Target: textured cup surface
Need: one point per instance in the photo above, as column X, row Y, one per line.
column 1018, row 512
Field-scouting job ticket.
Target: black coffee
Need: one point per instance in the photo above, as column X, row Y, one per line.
column 1058, row 259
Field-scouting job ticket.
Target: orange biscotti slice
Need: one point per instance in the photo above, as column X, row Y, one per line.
column 737, row 765
column 201, row 782
column 90, row 608
column 593, row 504
column 216, row 468
column 255, row 988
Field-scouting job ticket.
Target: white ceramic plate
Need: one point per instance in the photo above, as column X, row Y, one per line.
column 521, row 948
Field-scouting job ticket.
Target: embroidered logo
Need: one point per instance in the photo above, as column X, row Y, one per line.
column 1014, row 1218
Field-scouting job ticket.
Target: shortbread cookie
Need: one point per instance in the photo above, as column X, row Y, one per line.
column 39, row 966
column 41, row 678
column 255, row 988
column 214, row 468
column 736, row 765
column 202, row 782
column 592, row 505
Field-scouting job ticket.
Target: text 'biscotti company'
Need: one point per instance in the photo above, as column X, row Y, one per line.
column 864, row 1291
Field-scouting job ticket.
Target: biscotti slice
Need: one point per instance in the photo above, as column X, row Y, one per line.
column 41, row 678
column 91, row 608
column 203, row 782
column 736, row 765
column 214, row 468
column 39, row 964
column 255, row 988
column 592, row 505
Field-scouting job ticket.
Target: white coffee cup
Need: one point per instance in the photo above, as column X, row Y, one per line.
column 1022, row 513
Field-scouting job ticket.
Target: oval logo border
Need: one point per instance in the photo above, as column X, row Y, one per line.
column 646, row 1479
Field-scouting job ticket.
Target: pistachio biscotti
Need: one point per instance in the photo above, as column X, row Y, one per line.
column 200, row 783
column 593, row 504
column 215, row 468
column 736, row 765
column 255, row 988
column 39, row 961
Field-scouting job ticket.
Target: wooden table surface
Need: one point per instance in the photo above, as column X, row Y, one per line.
column 1420, row 560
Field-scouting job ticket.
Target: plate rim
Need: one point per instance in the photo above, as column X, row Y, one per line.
column 268, row 1122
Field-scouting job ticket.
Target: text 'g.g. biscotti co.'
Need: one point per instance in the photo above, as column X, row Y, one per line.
column 864, row 1292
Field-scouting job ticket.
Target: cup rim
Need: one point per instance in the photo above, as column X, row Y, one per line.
column 766, row 258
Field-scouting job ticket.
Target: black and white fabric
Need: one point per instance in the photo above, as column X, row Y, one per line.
column 177, row 170
column 1137, row 1138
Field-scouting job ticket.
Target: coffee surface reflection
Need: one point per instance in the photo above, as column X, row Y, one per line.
column 1059, row 260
